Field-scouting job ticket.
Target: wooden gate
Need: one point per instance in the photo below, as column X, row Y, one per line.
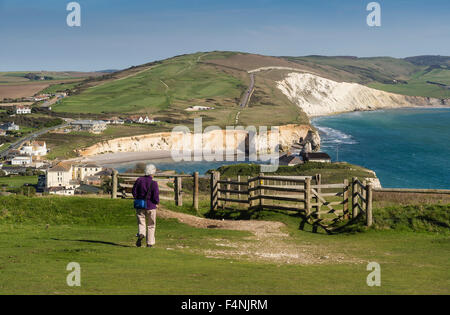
column 321, row 205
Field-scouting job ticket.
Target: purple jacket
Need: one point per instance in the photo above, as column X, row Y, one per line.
column 141, row 187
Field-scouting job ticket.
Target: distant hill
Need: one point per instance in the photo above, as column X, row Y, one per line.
column 428, row 60
column 165, row 89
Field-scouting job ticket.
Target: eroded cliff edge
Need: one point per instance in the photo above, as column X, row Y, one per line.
column 318, row 96
column 215, row 140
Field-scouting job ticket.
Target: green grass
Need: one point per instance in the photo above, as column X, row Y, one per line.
column 63, row 146
column 331, row 172
column 17, row 181
column 144, row 91
column 418, row 86
column 99, row 234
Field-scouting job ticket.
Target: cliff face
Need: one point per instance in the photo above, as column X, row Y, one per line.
column 216, row 140
column 319, row 96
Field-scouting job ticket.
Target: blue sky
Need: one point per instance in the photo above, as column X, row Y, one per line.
column 120, row 33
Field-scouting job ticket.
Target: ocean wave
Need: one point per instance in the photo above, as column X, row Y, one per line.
column 330, row 136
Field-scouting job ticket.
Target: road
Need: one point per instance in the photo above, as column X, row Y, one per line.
column 16, row 145
column 248, row 93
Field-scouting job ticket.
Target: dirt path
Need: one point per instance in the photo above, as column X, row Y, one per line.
column 268, row 242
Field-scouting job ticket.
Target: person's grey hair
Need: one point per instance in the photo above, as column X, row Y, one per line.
column 150, row 169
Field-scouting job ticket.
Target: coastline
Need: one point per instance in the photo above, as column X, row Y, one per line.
column 379, row 109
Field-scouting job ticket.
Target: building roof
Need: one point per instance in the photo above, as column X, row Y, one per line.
column 290, row 159
column 61, row 167
column 317, row 156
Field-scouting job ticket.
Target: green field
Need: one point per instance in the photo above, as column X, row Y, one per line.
column 39, row 237
column 155, row 88
column 17, row 181
column 418, row 86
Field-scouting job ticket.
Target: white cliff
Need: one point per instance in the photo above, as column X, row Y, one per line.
column 318, row 96
column 216, row 140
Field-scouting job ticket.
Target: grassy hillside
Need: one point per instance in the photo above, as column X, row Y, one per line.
column 40, row 236
column 166, row 89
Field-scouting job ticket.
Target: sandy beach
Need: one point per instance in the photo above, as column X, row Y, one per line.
column 125, row 157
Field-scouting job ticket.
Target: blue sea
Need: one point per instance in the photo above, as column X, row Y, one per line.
column 407, row 148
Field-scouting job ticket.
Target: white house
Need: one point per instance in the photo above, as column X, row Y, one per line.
column 20, row 110
column 22, row 160
column 35, row 148
column 60, row 175
column 64, row 177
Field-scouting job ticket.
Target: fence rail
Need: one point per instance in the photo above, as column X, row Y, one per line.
column 170, row 186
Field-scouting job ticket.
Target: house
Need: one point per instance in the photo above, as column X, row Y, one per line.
column 41, row 97
column 10, row 126
column 115, row 121
column 94, row 126
column 316, row 157
column 22, row 160
column 70, row 177
column 142, row 120
column 82, row 171
column 198, row 108
column 290, row 159
column 35, row 148
column 60, row 175
column 21, row 110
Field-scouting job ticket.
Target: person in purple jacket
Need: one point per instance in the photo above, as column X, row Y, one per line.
column 147, row 217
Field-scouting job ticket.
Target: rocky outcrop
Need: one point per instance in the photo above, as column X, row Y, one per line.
column 318, row 96
column 215, row 140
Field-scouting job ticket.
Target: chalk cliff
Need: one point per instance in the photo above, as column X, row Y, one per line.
column 319, row 96
column 216, row 140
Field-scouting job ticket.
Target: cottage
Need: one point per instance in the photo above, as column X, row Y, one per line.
column 21, row 110
column 316, row 157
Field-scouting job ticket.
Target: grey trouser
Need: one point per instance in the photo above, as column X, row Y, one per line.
column 147, row 218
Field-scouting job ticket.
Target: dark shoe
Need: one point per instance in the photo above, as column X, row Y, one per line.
column 139, row 240
column 149, row 246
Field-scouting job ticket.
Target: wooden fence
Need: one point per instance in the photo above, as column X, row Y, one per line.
column 170, row 186
column 322, row 205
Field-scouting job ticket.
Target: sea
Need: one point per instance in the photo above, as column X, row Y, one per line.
column 407, row 148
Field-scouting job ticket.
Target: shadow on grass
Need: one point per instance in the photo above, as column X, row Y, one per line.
column 93, row 242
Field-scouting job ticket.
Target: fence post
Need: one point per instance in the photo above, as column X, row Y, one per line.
column 308, row 195
column 213, row 188
column 318, row 179
column 369, row 219
column 228, row 187
column 345, row 199
column 239, row 186
column 114, row 180
column 354, row 198
column 364, row 194
column 195, row 197
column 178, row 195
column 250, row 186
column 261, row 191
